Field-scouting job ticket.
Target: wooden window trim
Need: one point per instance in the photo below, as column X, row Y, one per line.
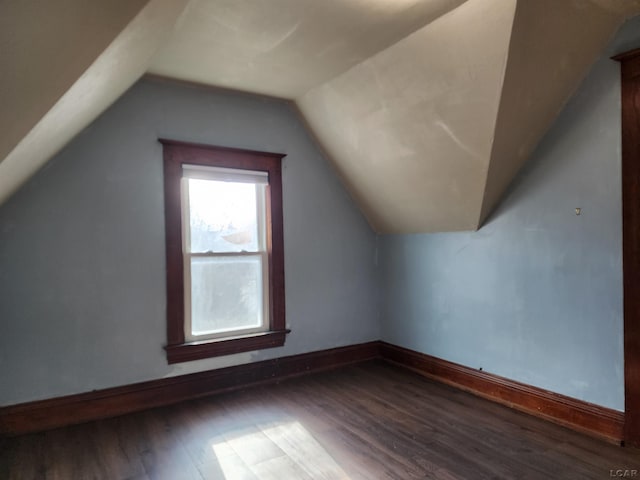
column 176, row 154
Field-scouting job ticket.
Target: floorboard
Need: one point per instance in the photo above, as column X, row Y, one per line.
column 369, row 421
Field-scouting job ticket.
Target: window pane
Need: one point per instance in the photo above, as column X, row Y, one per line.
column 226, row 294
column 222, row 216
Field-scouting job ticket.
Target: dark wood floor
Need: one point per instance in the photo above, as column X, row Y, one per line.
column 372, row 421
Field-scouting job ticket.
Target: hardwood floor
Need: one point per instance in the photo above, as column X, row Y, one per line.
column 370, row 421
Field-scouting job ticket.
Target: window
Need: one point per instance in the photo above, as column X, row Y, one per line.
column 225, row 257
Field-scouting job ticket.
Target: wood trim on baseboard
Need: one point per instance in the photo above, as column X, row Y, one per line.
column 569, row 412
column 84, row 407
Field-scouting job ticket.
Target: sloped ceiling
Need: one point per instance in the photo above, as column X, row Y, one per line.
column 411, row 128
column 426, row 108
column 552, row 47
column 283, row 48
column 63, row 63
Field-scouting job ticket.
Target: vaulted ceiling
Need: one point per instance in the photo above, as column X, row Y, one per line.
column 426, row 108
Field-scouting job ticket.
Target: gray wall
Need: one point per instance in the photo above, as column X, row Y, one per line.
column 536, row 294
column 82, row 273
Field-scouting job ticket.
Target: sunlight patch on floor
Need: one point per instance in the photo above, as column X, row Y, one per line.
column 280, row 451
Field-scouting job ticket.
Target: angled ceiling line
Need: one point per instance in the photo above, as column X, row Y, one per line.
column 427, row 109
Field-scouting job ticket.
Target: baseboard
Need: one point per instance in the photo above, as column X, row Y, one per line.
column 570, row 412
column 73, row 409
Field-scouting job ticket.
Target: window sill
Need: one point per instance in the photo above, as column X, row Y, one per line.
column 218, row 347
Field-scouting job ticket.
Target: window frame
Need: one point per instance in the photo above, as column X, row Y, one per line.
column 175, row 155
column 260, row 252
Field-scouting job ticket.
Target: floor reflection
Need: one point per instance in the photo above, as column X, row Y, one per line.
column 282, row 450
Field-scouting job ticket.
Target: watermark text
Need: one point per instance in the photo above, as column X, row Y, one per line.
column 623, row 473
